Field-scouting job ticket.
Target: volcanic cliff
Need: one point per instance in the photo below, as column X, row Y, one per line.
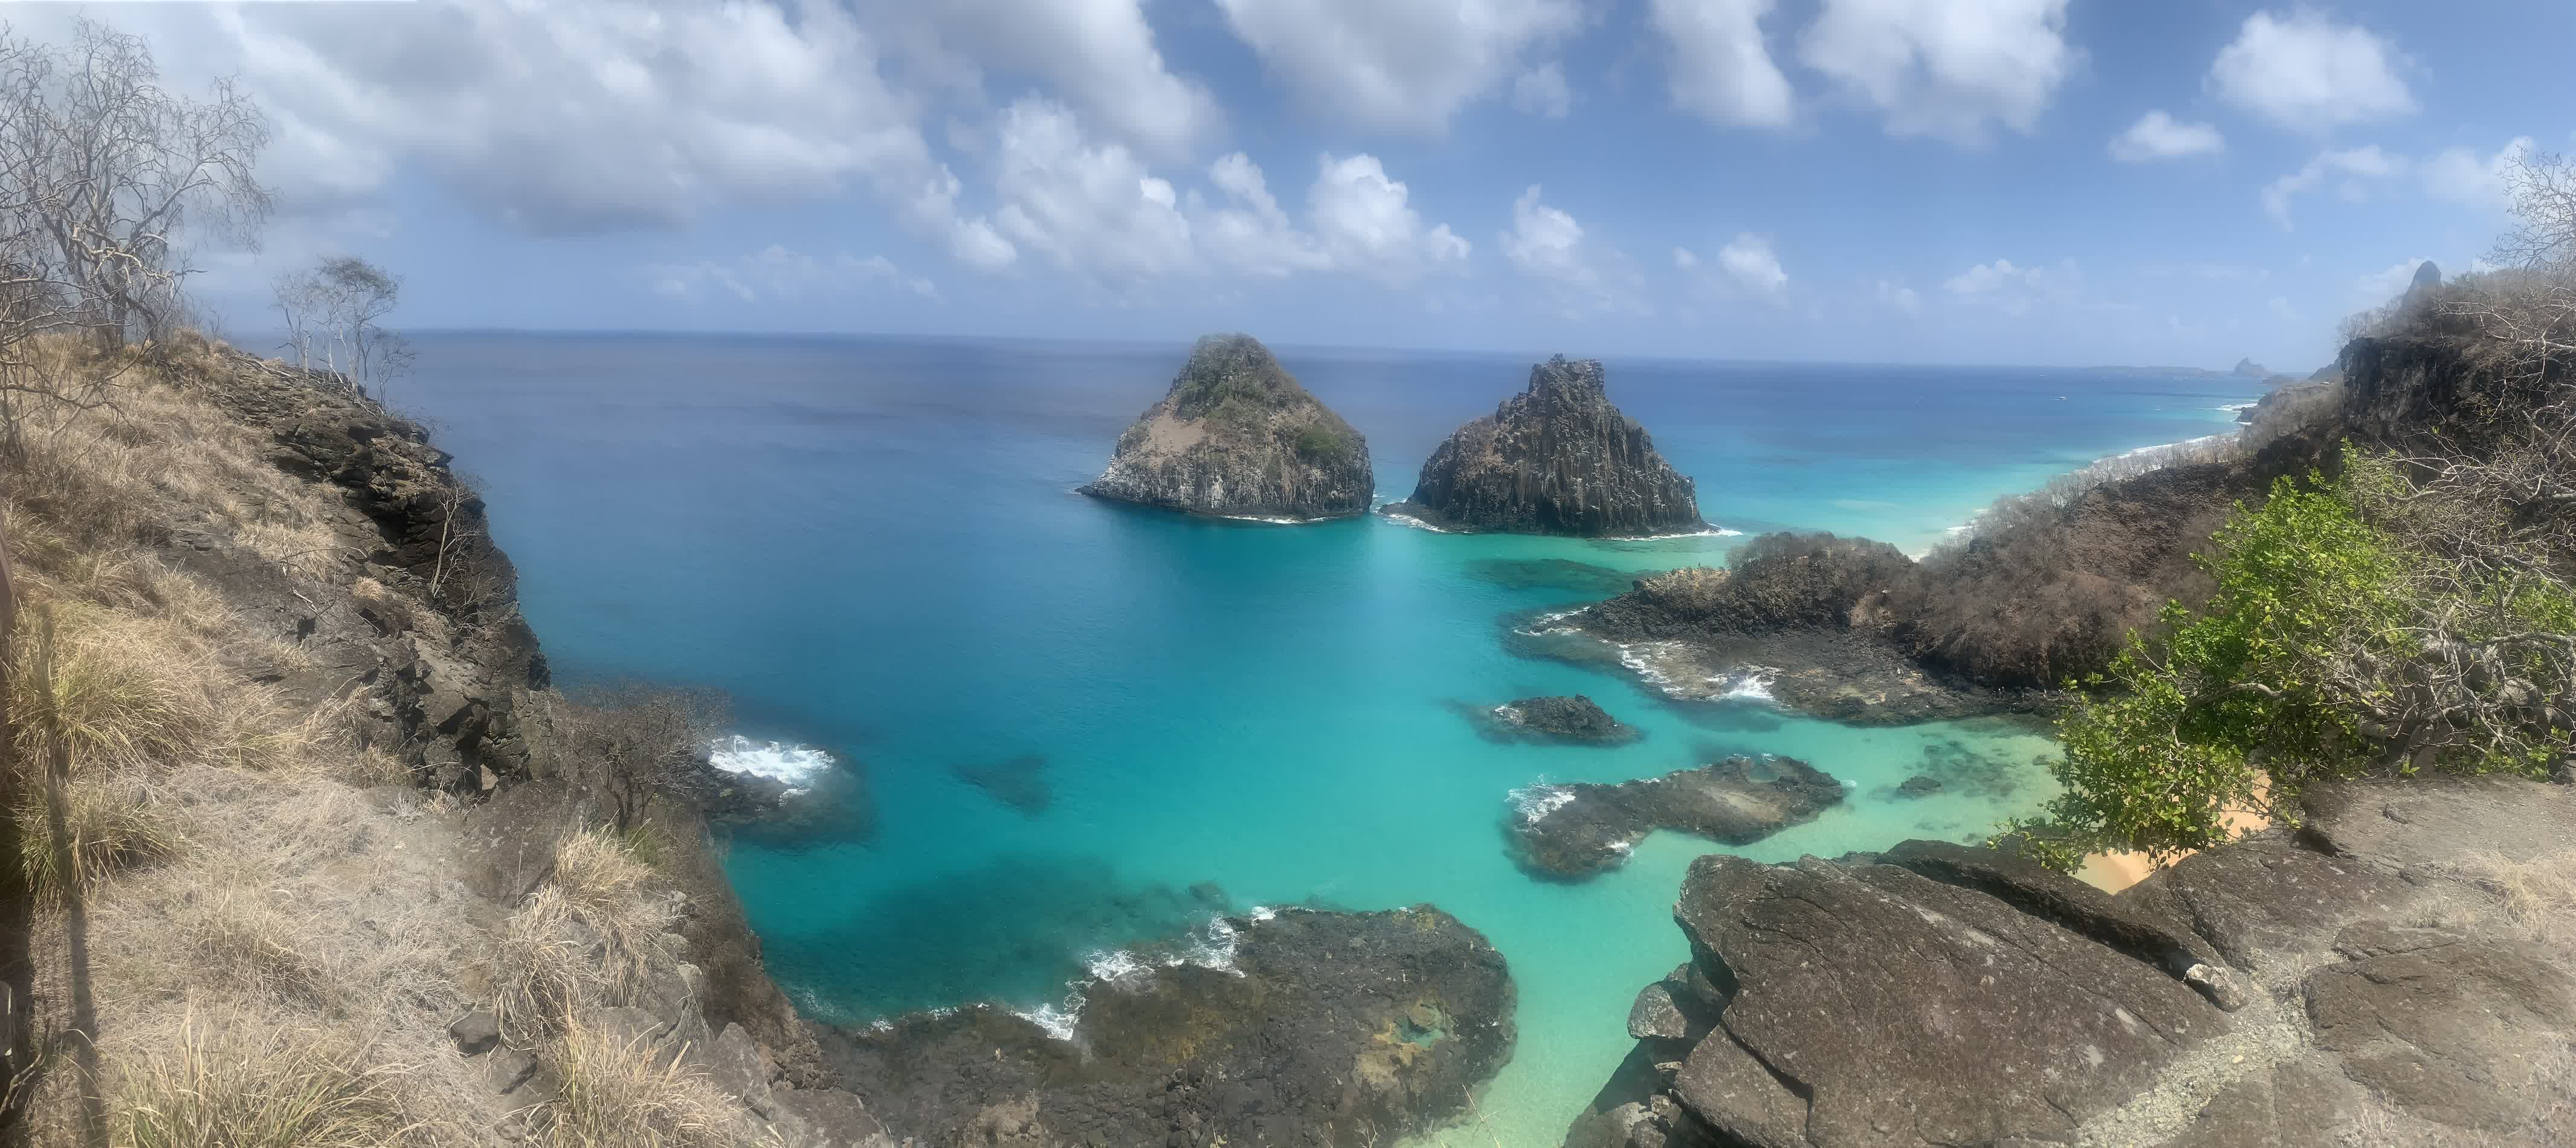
column 1554, row 459
column 1237, row 437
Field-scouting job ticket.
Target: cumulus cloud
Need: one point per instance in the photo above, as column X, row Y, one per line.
column 1099, row 55
column 1945, row 68
column 776, row 273
column 2354, row 165
column 575, row 117
column 1091, row 206
column 1899, row 296
column 1396, row 64
column 2389, row 282
column 1750, row 263
column 1550, row 246
column 2015, row 290
column 2461, row 175
column 1720, row 68
column 1542, row 91
column 2307, row 73
column 1683, row 259
column 2159, row 136
column 1359, row 221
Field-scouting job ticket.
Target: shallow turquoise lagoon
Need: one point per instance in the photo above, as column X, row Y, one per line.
column 872, row 546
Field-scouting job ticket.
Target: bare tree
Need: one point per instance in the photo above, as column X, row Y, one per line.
column 334, row 313
column 106, row 177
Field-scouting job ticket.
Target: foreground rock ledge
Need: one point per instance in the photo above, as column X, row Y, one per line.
column 1237, row 437
column 1578, row 830
column 1330, row 1029
column 1554, row 459
column 2376, row 978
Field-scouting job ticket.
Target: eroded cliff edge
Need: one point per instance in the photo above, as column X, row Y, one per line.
column 2397, row 971
column 1237, row 437
column 1557, row 458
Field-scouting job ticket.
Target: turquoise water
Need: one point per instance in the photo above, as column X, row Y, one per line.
column 872, row 545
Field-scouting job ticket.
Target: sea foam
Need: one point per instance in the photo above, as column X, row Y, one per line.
column 798, row 767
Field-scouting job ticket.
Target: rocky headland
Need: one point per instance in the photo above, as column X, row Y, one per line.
column 1303, row 1027
column 1237, row 437
column 2395, row 971
column 1578, row 830
column 1575, row 720
column 1557, row 458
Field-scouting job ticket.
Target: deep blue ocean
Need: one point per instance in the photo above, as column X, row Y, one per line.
column 1079, row 725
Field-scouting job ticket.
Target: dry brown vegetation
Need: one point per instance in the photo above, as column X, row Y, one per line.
column 235, row 944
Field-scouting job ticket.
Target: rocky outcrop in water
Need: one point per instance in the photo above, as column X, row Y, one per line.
column 1237, row 437
column 1577, row 719
column 1554, row 459
column 1579, row 830
column 1339, row 1029
column 2394, row 972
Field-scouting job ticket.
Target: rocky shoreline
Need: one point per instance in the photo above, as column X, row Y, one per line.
column 1575, row 831
column 2391, row 972
column 1305, row 1027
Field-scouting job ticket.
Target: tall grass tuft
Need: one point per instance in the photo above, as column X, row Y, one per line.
column 225, row 1089
column 613, row 1092
column 110, row 822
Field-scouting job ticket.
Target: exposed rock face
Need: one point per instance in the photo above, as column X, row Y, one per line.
column 2369, row 980
column 1575, row 719
column 1331, row 1029
column 1576, row 831
column 1237, row 437
column 1554, row 459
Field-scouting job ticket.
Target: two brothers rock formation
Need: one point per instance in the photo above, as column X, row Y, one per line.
column 1237, row 437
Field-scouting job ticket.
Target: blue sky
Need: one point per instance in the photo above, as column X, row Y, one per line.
column 2007, row 181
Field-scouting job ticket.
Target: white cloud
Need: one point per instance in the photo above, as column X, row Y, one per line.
column 1548, row 245
column 1683, row 259
column 2159, row 136
column 1542, row 91
column 576, row 117
column 1899, row 296
column 2388, row 283
column 2355, row 164
column 1362, row 218
column 2308, row 73
column 1398, row 64
column 775, row 273
column 1749, row 261
column 1945, row 68
column 2012, row 289
column 1093, row 207
column 2463, row 176
column 1721, row 69
column 1099, row 55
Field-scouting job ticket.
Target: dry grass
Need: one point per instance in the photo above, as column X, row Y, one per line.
column 111, row 821
column 2535, row 898
column 612, row 1092
column 221, row 1087
column 584, row 939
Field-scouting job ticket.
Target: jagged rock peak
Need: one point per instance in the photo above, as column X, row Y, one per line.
column 1557, row 458
column 1237, row 437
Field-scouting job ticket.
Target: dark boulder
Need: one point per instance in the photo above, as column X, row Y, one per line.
column 1919, row 786
column 1573, row 719
column 1578, row 830
column 1237, row 437
column 1554, row 459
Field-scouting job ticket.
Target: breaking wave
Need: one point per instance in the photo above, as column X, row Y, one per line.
column 798, row 767
column 1209, row 946
column 1535, row 801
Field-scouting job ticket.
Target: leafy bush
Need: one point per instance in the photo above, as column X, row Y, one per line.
column 2332, row 647
column 1323, row 442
